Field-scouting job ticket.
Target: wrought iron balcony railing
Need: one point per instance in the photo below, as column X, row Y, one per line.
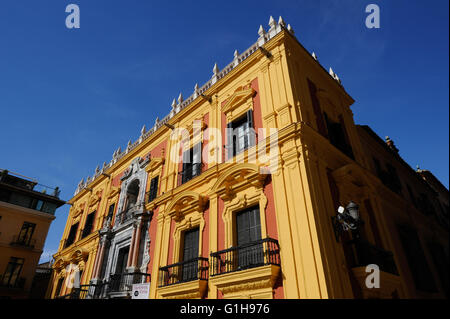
column 189, row 173
column 23, row 242
column 194, row 269
column 124, row 282
column 76, row 293
column 366, row 254
column 18, row 283
column 258, row 253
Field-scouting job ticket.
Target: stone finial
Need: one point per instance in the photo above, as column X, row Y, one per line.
column 97, row 170
column 195, row 91
column 157, row 119
column 236, row 56
column 281, row 22
column 289, row 28
column 129, row 144
column 391, row 144
column 314, row 56
column 104, row 166
column 272, row 23
column 174, row 103
column 180, row 98
column 261, row 31
column 143, row 130
column 332, row 72
column 216, row 69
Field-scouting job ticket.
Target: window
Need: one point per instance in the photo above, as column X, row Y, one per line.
column 190, row 254
column 240, row 134
column 72, row 234
column 417, row 262
column 111, row 211
column 442, row 264
column 122, row 258
column 393, row 180
column 59, row 286
column 26, row 233
column 4, row 195
column 49, row 208
column 316, row 107
column 412, row 196
column 11, row 275
column 88, row 224
column 338, row 135
column 192, row 161
column 132, row 194
column 248, row 231
column 153, row 193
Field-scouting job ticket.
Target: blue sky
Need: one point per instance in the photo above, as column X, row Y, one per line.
column 70, row 98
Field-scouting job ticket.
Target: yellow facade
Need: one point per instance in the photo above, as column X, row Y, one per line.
column 295, row 200
column 25, row 219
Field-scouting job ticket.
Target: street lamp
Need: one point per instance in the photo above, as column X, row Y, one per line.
column 346, row 219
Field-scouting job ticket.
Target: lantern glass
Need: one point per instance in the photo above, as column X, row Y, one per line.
column 353, row 210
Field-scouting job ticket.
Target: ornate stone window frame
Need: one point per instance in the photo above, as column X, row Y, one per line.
column 240, row 187
column 187, row 211
column 244, row 199
column 238, row 103
column 154, row 169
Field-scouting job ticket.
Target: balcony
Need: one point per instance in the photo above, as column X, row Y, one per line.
column 259, row 253
column 76, row 293
column 189, row 173
column 120, row 283
column 366, row 254
column 184, row 280
column 19, row 283
column 21, row 242
column 194, row 269
column 252, row 269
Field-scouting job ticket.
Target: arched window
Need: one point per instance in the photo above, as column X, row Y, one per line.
column 132, row 194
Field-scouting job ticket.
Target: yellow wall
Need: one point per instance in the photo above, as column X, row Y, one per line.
column 313, row 263
column 13, row 217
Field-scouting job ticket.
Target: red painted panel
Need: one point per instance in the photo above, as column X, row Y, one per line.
column 171, row 244
column 271, row 220
column 152, row 236
column 205, row 238
column 220, row 225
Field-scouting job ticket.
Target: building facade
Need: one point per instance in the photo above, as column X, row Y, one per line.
column 234, row 194
column 26, row 213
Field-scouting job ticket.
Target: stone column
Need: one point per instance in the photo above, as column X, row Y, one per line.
column 99, row 260
column 131, row 251
column 213, row 235
column 136, row 244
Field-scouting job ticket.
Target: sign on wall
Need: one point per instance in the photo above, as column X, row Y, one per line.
column 141, row 291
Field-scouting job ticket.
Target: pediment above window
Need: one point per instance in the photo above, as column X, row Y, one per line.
column 155, row 162
column 95, row 198
column 184, row 203
column 237, row 177
column 78, row 210
column 113, row 192
column 136, row 164
column 241, row 97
